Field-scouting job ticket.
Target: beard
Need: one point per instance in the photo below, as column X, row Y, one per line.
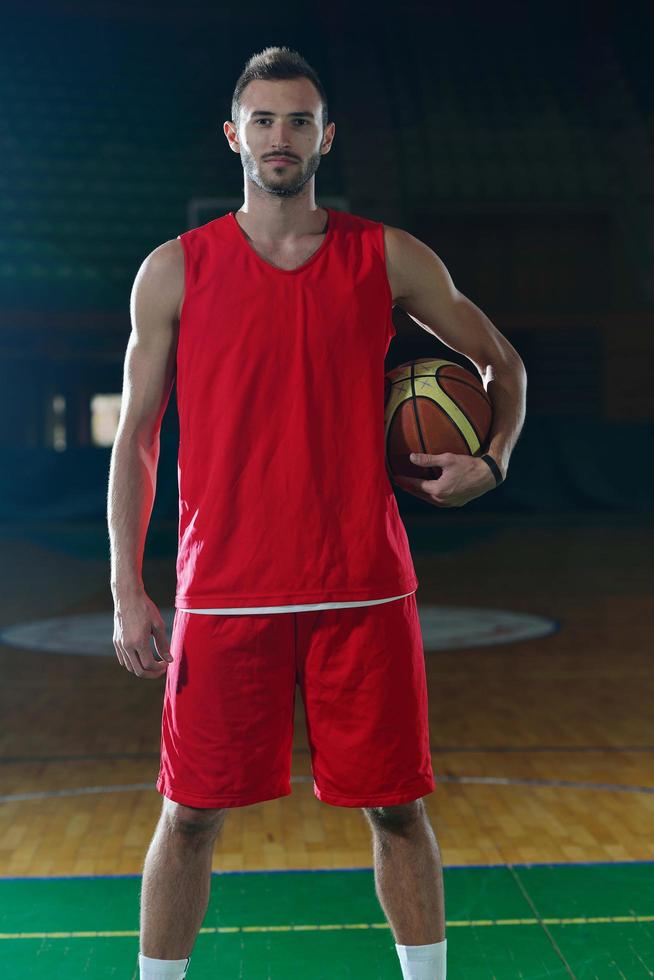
column 281, row 185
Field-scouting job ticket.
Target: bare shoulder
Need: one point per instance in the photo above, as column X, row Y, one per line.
column 402, row 251
column 161, row 278
column 411, row 265
column 150, row 359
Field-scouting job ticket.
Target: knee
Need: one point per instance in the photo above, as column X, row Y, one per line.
column 191, row 823
column 399, row 819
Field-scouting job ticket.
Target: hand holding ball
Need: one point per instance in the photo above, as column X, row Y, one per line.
column 433, row 406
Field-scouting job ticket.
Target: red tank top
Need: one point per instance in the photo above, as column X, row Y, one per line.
column 283, row 491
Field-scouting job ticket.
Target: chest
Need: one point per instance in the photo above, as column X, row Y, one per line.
column 291, row 258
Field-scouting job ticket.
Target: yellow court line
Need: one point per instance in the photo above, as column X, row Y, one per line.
column 457, row 923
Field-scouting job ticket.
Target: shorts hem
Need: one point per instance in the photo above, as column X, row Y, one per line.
column 380, row 799
column 206, row 802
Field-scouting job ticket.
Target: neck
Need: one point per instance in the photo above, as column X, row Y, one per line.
column 272, row 219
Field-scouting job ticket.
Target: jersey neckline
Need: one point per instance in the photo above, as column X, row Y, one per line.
column 305, row 265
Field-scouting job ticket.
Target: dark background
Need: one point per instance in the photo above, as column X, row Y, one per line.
column 517, row 140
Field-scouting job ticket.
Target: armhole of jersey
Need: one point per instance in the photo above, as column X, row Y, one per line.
column 182, row 240
column 390, row 325
column 181, row 333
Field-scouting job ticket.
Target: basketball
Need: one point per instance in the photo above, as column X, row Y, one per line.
column 433, row 406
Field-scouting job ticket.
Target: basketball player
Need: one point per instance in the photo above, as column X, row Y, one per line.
column 293, row 564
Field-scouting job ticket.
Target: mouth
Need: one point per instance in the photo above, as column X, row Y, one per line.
column 280, row 160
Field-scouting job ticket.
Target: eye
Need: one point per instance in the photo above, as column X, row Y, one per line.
column 303, row 121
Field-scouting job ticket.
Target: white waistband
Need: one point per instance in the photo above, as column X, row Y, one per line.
column 246, row 610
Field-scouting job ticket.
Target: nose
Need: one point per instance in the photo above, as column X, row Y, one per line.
column 279, row 138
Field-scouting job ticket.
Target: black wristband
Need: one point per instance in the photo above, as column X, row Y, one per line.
column 494, row 468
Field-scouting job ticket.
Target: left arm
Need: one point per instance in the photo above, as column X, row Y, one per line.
column 422, row 286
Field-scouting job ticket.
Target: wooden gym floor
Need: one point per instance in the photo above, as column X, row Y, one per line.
column 542, row 751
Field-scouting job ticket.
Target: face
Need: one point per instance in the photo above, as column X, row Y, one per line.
column 268, row 128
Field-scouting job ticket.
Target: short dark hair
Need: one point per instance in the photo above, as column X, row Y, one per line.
column 276, row 63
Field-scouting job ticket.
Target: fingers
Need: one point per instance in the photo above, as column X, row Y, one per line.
column 161, row 642
column 139, row 660
column 143, row 662
column 412, row 485
column 121, row 656
column 421, row 489
column 136, row 620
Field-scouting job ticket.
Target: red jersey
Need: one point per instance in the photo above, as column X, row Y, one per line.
column 283, row 491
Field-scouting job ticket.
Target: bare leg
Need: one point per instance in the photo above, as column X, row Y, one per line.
column 177, row 880
column 408, row 873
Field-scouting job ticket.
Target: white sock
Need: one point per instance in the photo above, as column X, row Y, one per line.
column 151, row 969
column 423, row 962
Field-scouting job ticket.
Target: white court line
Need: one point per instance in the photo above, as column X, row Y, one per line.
column 488, row 780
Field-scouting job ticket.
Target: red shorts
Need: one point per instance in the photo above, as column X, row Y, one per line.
column 228, row 712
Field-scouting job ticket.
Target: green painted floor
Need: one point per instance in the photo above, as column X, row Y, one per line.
column 589, row 921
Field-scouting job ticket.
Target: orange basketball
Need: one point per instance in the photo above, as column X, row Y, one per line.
column 433, row 406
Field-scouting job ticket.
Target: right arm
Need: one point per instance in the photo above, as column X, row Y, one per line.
column 149, row 374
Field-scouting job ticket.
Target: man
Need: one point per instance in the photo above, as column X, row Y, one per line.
column 293, row 564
